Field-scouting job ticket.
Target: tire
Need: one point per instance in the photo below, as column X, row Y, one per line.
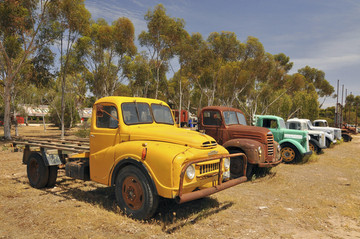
column 313, row 147
column 328, row 143
column 37, row 172
column 289, row 153
column 237, row 165
column 53, row 172
column 134, row 193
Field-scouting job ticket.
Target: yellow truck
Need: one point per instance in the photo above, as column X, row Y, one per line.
column 136, row 147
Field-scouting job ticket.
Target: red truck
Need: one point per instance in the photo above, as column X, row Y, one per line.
column 229, row 128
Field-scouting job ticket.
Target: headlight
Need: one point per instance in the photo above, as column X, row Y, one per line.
column 226, row 163
column 190, row 172
column 259, row 150
column 279, row 148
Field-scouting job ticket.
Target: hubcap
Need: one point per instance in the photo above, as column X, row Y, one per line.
column 287, row 154
column 312, row 147
column 133, row 194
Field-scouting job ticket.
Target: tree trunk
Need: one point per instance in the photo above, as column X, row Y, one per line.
column 44, row 123
column 7, row 104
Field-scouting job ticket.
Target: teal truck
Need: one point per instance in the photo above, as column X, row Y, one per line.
column 294, row 143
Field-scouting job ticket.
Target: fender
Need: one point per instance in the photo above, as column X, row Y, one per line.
column 249, row 147
column 315, row 142
column 130, row 161
column 299, row 147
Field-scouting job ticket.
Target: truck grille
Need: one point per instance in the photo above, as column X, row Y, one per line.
column 270, row 143
column 206, row 168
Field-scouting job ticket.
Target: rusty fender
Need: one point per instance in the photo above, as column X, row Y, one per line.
column 249, row 147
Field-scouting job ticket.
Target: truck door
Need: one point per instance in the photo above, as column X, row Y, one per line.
column 273, row 126
column 211, row 122
column 105, row 134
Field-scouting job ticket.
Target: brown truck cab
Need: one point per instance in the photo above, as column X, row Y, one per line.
column 229, row 128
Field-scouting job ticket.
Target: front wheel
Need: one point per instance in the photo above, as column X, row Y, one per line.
column 314, row 148
column 134, row 194
column 289, row 153
column 237, row 165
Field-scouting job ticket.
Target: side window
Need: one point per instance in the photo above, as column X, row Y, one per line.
column 269, row 123
column 108, row 117
column 211, row 117
column 294, row 125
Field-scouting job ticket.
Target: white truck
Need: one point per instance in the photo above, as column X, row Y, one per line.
column 317, row 141
column 331, row 134
column 338, row 132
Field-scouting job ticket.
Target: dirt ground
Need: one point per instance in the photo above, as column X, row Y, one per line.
column 318, row 199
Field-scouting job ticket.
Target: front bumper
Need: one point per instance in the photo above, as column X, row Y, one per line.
column 269, row 164
column 307, row 155
column 186, row 197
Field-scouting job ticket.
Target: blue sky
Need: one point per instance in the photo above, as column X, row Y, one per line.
column 324, row 34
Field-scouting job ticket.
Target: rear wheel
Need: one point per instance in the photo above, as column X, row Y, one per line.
column 289, row 153
column 53, row 171
column 134, row 194
column 37, row 172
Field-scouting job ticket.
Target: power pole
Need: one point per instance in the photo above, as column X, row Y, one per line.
column 337, row 107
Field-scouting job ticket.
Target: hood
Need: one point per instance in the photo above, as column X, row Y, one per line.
column 248, row 132
column 171, row 134
column 316, row 132
column 326, row 129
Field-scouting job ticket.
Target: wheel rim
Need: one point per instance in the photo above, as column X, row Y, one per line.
column 132, row 193
column 34, row 173
column 312, row 147
column 287, row 154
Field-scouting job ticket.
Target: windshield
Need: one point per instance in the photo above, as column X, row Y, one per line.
column 232, row 117
column 134, row 113
column 241, row 118
column 282, row 124
column 162, row 114
column 309, row 125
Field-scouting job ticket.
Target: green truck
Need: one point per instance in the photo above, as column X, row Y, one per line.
column 294, row 143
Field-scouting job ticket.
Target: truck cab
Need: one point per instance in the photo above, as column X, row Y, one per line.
column 317, row 138
column 294, row 143
column 229, row 128
column 339, row 133
column 331, row 134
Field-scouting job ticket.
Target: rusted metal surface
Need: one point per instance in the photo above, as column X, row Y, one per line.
column 133, row 193
column 269, row 164
column 206, row 192
column 181, row 198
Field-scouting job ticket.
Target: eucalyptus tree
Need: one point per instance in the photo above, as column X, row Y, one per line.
column 70, row 21
column 317, row 78
column 160, row 39
column 105, row 52
column 20, row 23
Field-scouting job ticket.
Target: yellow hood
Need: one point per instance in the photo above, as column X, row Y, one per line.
column 171, row 134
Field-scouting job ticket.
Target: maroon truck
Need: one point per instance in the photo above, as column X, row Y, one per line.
column 228, row 126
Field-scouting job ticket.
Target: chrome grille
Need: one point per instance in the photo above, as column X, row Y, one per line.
column 206, row 168
column 270, row 143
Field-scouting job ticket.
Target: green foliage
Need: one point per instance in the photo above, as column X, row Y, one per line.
column 71, row 115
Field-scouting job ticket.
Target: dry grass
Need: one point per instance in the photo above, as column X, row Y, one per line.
column 318, row 199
